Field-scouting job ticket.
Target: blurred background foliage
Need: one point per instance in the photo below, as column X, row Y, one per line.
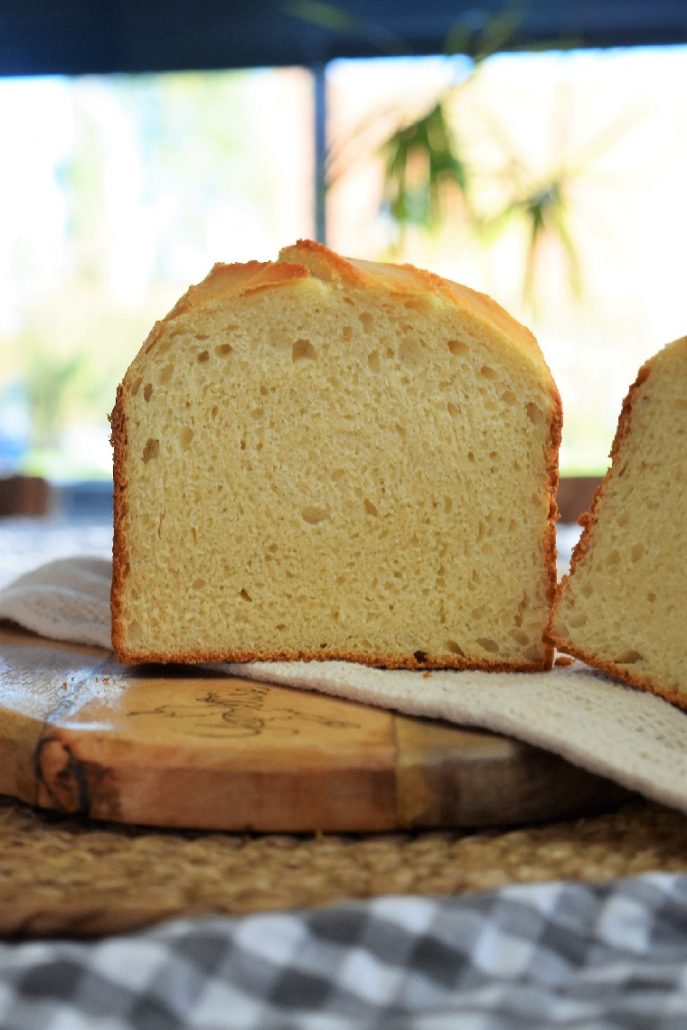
column 151, row 181
column 530, row 177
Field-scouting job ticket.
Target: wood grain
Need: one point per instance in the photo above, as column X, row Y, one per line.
column 191, row 747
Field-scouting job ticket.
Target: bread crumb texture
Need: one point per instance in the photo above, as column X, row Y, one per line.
column 623, row 607
column 323, row 458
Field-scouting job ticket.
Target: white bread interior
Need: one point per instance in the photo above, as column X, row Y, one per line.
column 322, row 458
column 624, row 606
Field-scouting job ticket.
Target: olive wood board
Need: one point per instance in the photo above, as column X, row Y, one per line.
column 191, row 747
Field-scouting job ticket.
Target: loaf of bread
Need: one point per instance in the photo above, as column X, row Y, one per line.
column 320, row 458
column 623, row 607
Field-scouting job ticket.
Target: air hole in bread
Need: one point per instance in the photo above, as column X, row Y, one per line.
column 651, row 596
column 147, row 391
column 203, row 356
column 185, row 437
column 519, row 636
column 166, row 373
column 366, row 321
column 313, row 515
column 420, row 656
column 223, row 350
column 303, row 350
column 509, row 397
column 373, row 361
column 457, row 346
column 448, row 505
column 535, row 414
column 488, row 644
column 151, row 450
column 281, row 626
column 201, row 336
column 136, row 386
column 347, row 334
column 338, row 474
column 629, row 658
column 410, row 351
column 636, row 552
column 214, row 411
column 199, row 584
column 453, row 648
column 370, row 507
column 453, row 409
column 488, row 372
column 401, row 430
column 613, row 558
column 470, row 456
column 244, row 595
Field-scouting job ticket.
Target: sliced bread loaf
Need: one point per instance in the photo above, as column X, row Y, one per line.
column 624, row 606
column 325, row 458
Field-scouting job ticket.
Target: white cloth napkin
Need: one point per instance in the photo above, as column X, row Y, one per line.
column 630, row 736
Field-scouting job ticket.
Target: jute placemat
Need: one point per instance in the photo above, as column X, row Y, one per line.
column 59, row 876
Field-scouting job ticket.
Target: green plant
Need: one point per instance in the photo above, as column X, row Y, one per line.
column 425, row 162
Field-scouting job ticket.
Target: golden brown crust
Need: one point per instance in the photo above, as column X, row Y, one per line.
column 120, row 562
column 622, row 673
column 549, row 543
column 236, row 280
column 131, row 656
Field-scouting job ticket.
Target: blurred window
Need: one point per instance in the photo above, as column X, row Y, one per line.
column 116, row 192
column 552, row 181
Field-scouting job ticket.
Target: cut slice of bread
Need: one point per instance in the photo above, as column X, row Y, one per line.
column 321, row 458
column 623, row 607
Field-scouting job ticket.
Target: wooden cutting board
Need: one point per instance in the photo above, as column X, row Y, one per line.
column 187, row 747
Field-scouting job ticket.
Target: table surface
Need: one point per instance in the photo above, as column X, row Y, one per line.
column 535, row 954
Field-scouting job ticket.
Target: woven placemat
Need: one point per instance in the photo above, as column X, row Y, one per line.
column 59, row 876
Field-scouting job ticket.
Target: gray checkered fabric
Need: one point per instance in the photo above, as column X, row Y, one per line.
column 536, row 956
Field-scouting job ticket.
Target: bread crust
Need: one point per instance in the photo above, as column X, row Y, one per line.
column 621, row 673
column 120, row 549
column 131, row 656
column 226, row 281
